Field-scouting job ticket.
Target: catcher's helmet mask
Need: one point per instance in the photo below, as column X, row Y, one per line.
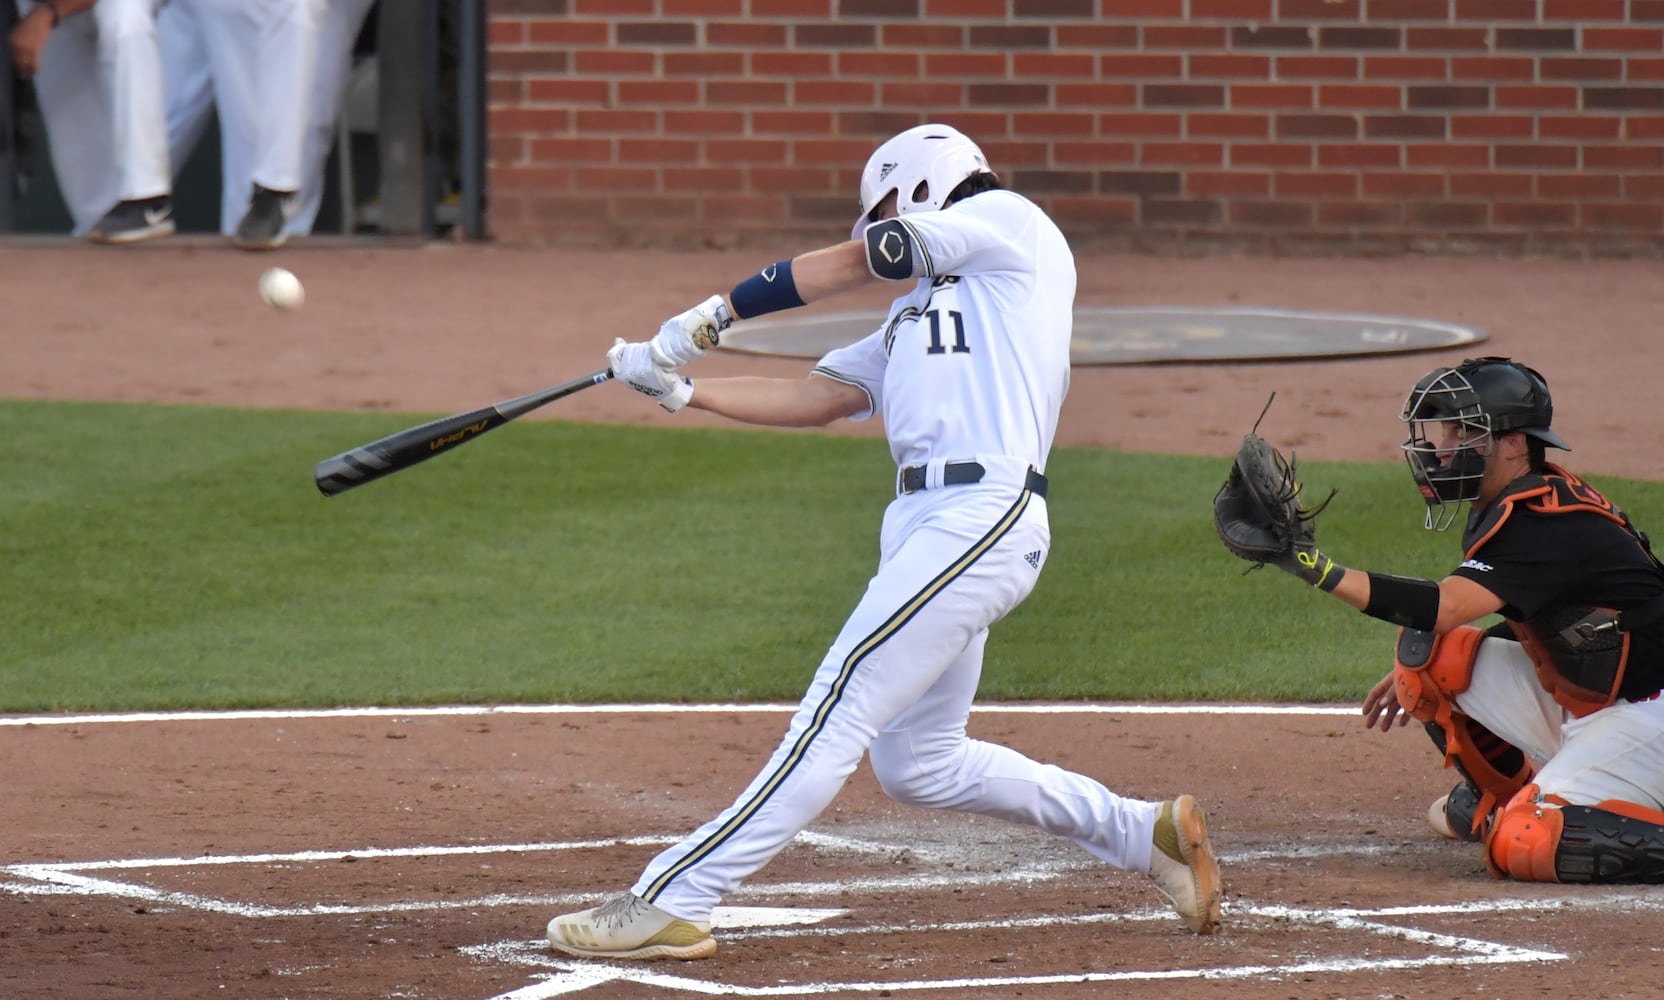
column 1484, row 397
column 922, row 166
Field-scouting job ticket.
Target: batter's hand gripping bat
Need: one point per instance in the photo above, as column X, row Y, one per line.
column 394, row 452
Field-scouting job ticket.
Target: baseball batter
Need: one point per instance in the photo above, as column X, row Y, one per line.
column 968, row 372
column 1553, row 717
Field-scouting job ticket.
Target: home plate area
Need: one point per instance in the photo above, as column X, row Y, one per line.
column 943, row 904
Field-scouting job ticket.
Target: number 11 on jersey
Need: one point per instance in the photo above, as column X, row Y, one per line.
column 959, row 346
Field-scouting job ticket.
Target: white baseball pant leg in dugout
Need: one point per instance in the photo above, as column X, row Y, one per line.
column 100, row 92
column 342, row 21
column 902, row 672
column 222, row 36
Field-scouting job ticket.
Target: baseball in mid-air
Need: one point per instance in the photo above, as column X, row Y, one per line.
column 280, row 289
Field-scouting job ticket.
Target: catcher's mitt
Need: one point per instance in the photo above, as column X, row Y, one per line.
column 1258, row 512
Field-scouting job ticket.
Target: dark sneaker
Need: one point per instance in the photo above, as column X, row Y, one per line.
column 268, row 214
column 136, row 220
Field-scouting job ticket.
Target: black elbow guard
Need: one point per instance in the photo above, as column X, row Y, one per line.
column 1405, row 601
column 891, row 254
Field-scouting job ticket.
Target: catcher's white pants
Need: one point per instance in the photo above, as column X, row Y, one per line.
column 101, row 96
column 1615, row 753
column 899, row 680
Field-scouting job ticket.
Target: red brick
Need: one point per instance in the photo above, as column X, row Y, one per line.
column 850, row 93
column 1639, row 69
column 1237, row 10
column 1270, row 154
column 614, row 121
column 746, row 35
column 1423, row 68
column 752, row 92
column 571, row 149
column 1190, row 37
column 1317, row 126
column 1537, row 98
column 1492, row 69
column 1096, row 36
column 1317, row 67
column 1404, row 184
column 1122, row 10
column 922, row 36
column 922, row 93
column 702, row 121
column 1183, row 95
column 1097, row 210
column 1602, row 70
column 1583, row 10
column 613, row 8
column 1179, row 212
column 703, row 8
column 1490, row 184
column 952, row 9
column 726, row 209
column 1312, row 10
column 1536, row 156
column 1643, row 218
column 1360, row 213
column 529, row 121
column 1270, row 95
column 569, row 92
column 796, row 64
column 1227, row 183
column 964, row 64
column 527, row 62
column 1644, row 128
column 1317, row 184
column 1063, row 124
column 503, row 150
column 1492, row 127
column 659, row 150
column 1010, row 95
column 501, row 33
column 1182, row 154
column 1360, row 96
column 1533, row 214
column 1462, row 39
column 657, row 211
column 830, row 151
column 1579, row 187
column 1496, row 10
column 1227, row 125
column 891, row 65
column 1360, row 155
column 1221, row 65
column 614, row 62
column 1448, row 155
column 542, row 178
column 1410, row 10
column 1644, row 187
column 1095, row 95
column 705, row 63
column 791, row 180
column 701, row 180
column 508, row 91
column 1648, row 40
column 1078, row 153
column 1584, row 126
column 1140, row 124
column 794, row 10
column 1448, row 214
column 1054, row 65
column 733, row 150
column 1623, row 158
column 1145, row 183
column 570, row 32
column 1270, row 214
column 1142, row 66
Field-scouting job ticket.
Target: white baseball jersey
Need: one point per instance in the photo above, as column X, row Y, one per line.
column 975, row 360
column 971, row 365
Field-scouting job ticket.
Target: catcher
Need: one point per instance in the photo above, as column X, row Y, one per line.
column 1553, row 716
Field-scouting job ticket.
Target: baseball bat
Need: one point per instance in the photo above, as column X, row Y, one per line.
column 383, row 457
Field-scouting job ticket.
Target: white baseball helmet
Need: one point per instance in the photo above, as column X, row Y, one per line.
column 922, row 165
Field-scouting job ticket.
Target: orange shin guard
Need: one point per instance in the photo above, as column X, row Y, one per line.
column 1525, row 839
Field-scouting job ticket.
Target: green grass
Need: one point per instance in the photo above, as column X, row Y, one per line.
column 171, row 557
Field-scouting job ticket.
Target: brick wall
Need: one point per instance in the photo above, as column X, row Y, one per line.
column 1350, row 125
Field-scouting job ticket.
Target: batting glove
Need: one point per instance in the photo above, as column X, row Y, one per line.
column 637, row 367
column 686, row 337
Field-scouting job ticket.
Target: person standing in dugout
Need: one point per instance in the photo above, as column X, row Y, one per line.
column 968, row 372
column 1552, row 716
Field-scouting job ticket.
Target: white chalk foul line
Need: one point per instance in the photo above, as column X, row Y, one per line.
column 572, row 977
column 665, row 709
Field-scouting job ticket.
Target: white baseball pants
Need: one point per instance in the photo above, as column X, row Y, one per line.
column 899, row 681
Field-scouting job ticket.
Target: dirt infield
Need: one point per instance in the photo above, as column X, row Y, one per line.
column 418, row 854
